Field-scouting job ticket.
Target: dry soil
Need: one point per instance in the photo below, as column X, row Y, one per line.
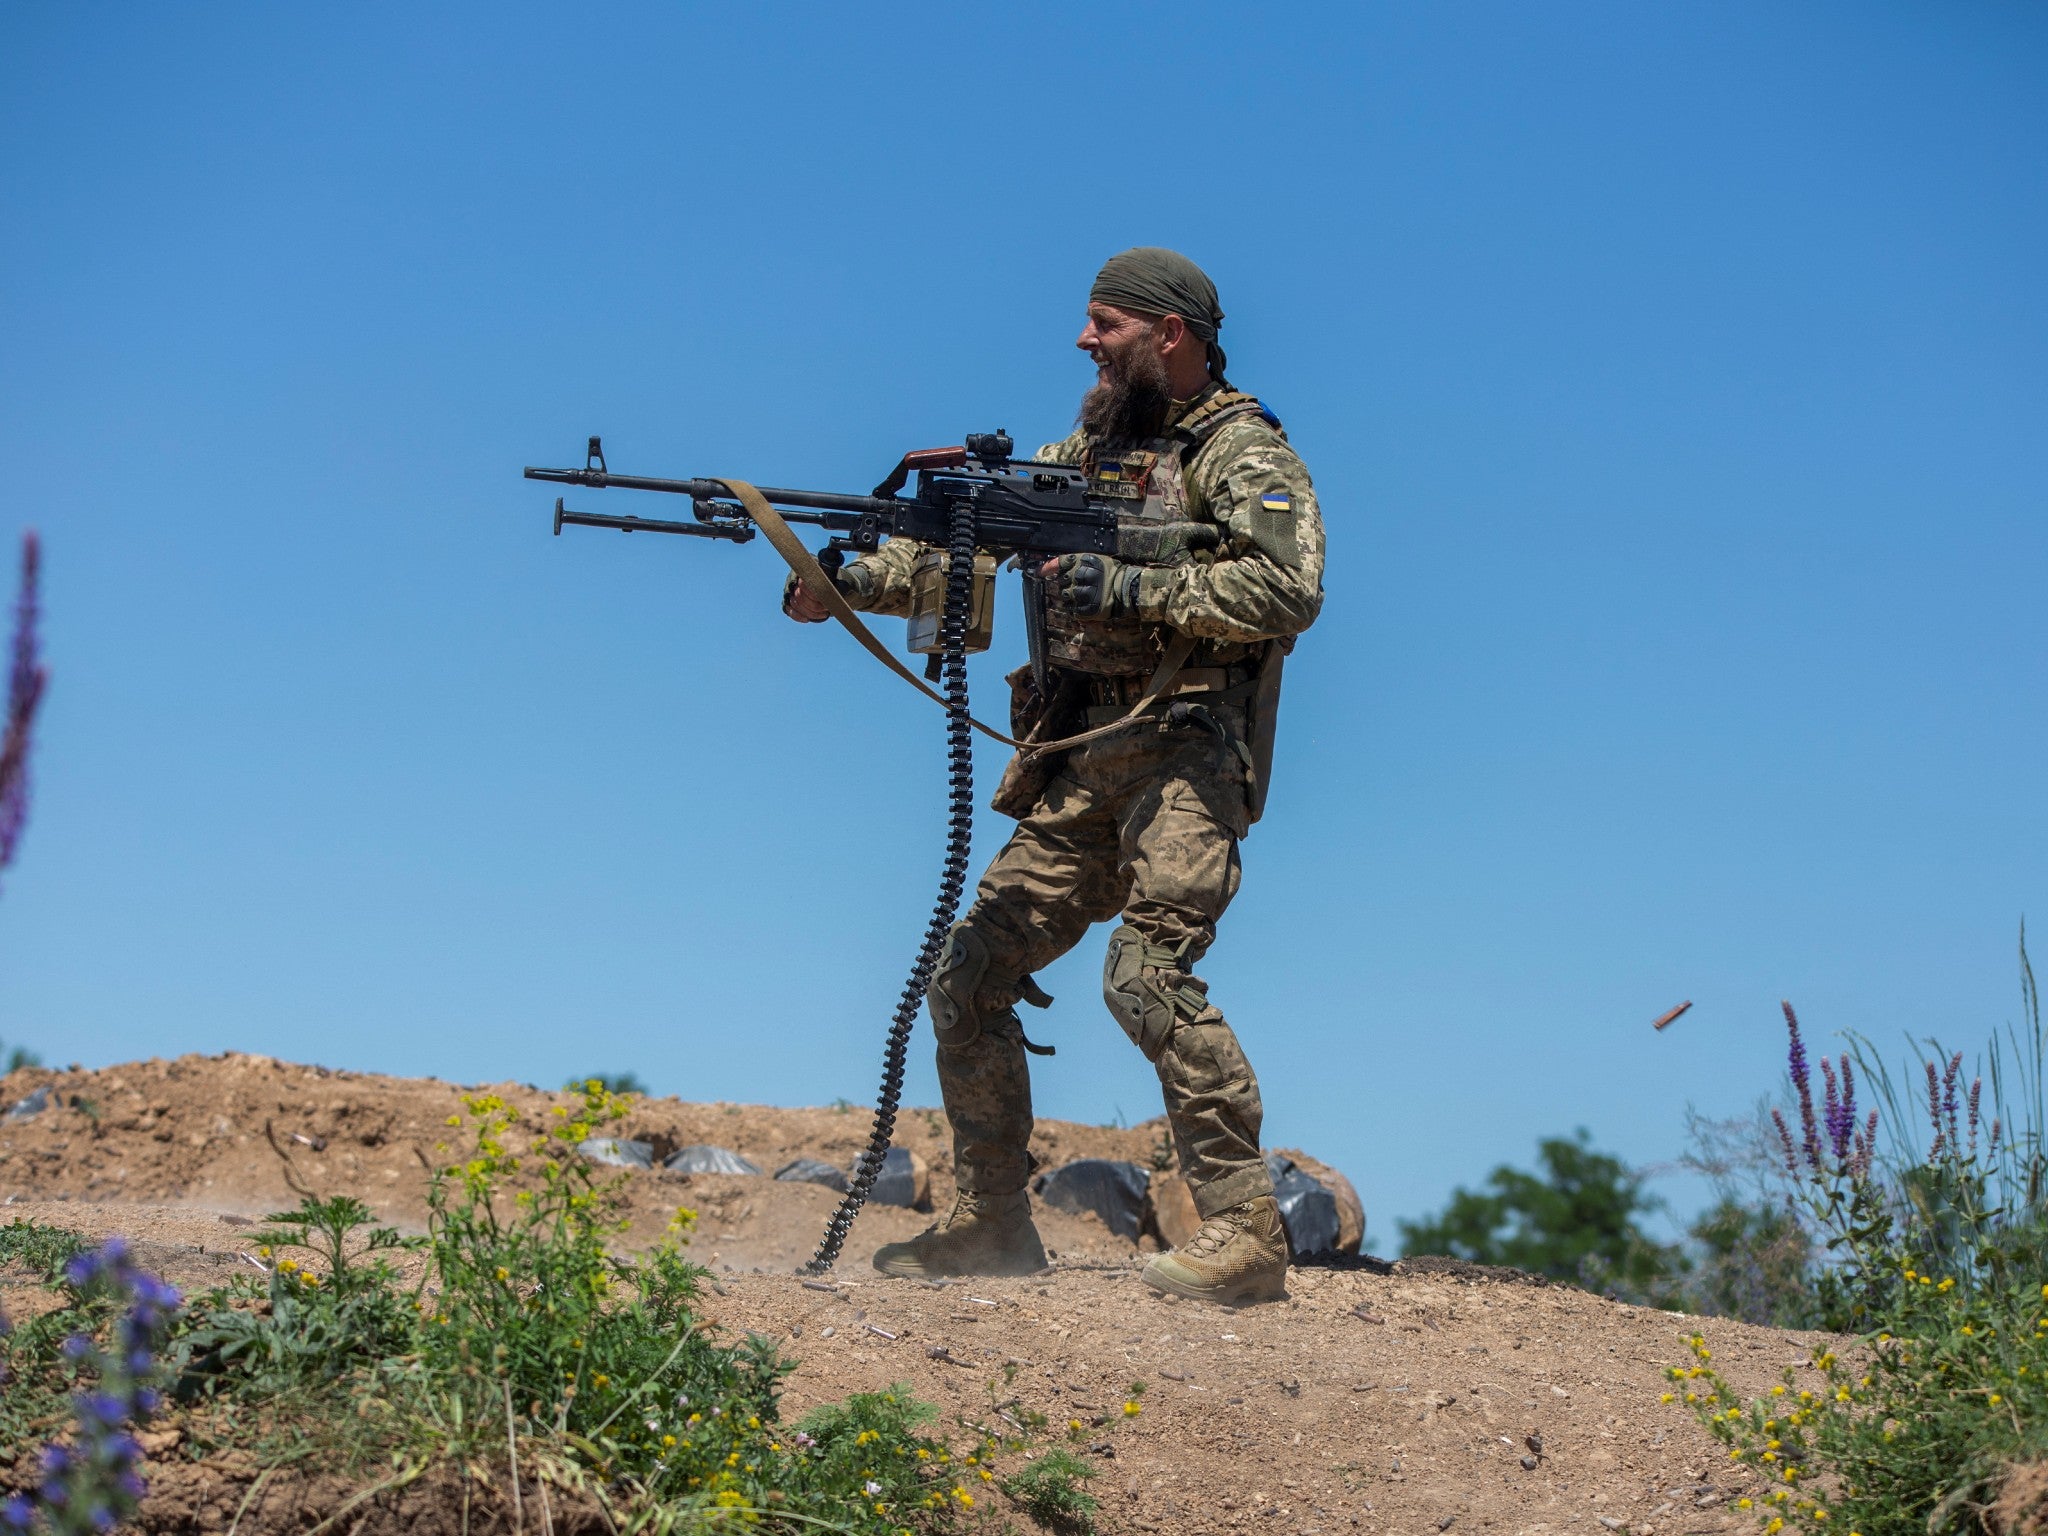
column 1403, row 1398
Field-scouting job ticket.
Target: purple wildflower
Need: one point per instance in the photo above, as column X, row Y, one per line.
column 16, row 1512
column 1948, row 1099
column 99, row 1408
column 1934, row 1110
column 1976, row 1097
column 1785, row 1137
column 1997, row 1129
column 1840, row 1113
column 1865, row 1149
column 92, row 1484
column 26, row 681
column 1802, row 1084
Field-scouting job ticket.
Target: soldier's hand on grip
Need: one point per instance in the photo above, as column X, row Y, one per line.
column 1093, row 586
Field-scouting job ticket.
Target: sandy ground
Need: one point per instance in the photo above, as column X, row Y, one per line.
column 1400, row 1398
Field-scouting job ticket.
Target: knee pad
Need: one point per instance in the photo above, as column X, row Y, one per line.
column 1147, row 991
column 955, row 993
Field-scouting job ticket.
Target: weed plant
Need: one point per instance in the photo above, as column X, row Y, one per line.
column 1932, row 1255
column 104, row 1362
column 509, row 1342
column 1049, row 1490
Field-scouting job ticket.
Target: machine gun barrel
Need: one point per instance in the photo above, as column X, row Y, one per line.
column 710, row 490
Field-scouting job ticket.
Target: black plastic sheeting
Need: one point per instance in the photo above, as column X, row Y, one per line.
column 1115, row 1191
column 808, row 1170
column 897, row 1182
column 614, row 1153
column 706, row 1159
column 1308, row 1210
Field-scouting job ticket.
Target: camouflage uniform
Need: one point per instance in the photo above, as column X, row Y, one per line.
column 1144, row 823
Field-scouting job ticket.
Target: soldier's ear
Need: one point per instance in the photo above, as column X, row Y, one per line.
column 1171, row 332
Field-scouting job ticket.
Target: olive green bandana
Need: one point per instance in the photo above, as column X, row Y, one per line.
column 1156, row 281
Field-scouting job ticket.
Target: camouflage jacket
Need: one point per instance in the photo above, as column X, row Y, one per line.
column 1261, row 580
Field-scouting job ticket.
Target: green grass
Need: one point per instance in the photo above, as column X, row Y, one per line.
column 37, row 1247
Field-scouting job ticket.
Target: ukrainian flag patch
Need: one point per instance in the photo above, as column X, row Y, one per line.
column 1276, row 503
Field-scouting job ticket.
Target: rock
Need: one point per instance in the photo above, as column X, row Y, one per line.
column 1350, row 1209
column 708, row 1159
column 1115, row 1191
column 1308, row 1209
column 1173, row 1212
column 615, row 1153
column 905, row 1180
column 808, row 1170
column 34, row 1104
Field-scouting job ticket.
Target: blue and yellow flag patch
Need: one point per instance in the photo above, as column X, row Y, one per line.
column 1278, row 502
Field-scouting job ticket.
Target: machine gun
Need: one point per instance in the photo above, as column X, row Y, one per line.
column 974, row 504
column 1018, row 509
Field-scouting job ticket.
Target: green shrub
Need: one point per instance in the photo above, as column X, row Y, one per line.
column 1906, row 1436
column 1933, row 1259
column 512, row 1321
column 1049, row 1490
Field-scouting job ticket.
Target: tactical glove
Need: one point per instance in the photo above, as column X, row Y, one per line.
column 1096, row 586
column 855, row 582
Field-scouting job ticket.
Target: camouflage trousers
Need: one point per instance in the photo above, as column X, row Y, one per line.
column 1142, row 825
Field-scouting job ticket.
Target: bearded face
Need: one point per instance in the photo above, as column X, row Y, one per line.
column 1131, row 394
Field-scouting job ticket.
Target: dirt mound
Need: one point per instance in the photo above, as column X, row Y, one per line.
column 2022, row 1505
column 1395, row 1398
column 201, row 1128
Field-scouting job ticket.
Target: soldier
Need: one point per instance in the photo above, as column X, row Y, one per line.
column 1220, row 541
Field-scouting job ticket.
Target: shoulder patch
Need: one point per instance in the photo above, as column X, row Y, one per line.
column 1272, row 528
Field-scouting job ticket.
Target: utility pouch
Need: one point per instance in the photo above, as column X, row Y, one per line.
column 1262, row 718
column 928, row 602
column 1033, row 717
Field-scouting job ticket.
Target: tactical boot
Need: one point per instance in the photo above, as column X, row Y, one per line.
column 1239, row 1255
column 983, row 1235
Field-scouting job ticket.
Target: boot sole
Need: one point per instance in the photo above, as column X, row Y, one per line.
column 1252, row 1290
column 998, row 1272
column 908, row 1267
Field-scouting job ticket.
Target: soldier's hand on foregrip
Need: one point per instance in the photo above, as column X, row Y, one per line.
column 1093, row 586
column 801, row 603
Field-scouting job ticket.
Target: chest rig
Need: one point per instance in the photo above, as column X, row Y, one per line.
column 1159, row 523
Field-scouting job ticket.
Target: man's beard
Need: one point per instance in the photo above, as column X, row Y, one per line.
column 1129, row 405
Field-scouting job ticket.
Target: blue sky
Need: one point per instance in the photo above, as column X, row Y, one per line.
column 1675, row 380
